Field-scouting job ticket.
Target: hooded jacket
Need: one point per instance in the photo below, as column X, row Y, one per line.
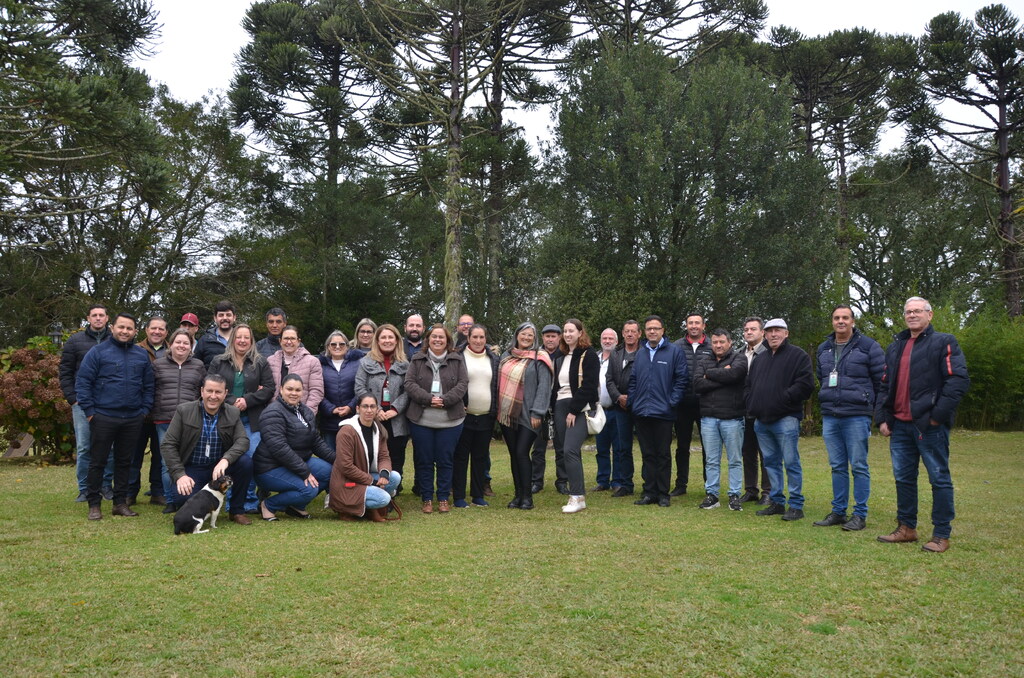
column 339, row 388
column 350, row 474
column 288, row 438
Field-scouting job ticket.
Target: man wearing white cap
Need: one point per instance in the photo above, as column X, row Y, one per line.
column 779, row 381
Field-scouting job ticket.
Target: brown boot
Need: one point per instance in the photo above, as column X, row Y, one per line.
column 378, row 515
column 900, row 535
column 936, row 545
column 123, row 510
column 95, row 513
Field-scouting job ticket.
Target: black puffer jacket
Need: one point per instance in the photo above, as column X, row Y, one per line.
column 691, row 398
column 175, row 384
column 77, row 346
column 720, row 382
column 288, row 438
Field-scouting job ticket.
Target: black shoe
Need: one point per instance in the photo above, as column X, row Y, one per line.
column 678, row 492
column 772, row 509
column 765, row 500
column 131, row 500
column 170, row 508
column 749, row 495
column 536, row 487
column 516, row 503
column 644, row 500
column 107, row 493
column 734, row 503
column 600, row 488
column 563, row 488
column 621, row 492
column 855, row 523
column 831, row 519
column 710, row 502
column 664, row 502
column 526, row 504
column 793, row 514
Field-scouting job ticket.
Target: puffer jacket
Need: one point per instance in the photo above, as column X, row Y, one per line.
column 175, row 384
column 288, row 438
column 308, row 368
column 657, row 386
column 692, row 358
column 115, row 380
column 208, row 346
column 719, row 383
column 859, row 376
column 370, row 379
column 339, row 388
column 77, row 345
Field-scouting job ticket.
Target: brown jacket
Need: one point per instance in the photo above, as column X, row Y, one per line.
column 454, row 384
column 350, row 475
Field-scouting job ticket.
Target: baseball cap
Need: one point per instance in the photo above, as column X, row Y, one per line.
column 190, row 318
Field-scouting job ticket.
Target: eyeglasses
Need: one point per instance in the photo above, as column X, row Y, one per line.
column 336, row 344
column 465, row 324
column 365, row 331
column 915, row 311
column 653, row 329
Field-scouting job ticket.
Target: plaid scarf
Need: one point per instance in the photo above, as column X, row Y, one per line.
column 511, row 375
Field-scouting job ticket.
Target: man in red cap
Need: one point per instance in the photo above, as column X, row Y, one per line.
column 190, row 323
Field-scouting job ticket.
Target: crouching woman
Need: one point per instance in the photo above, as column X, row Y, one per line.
column 362, row 481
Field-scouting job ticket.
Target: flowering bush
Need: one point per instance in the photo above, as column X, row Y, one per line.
column 31, row 400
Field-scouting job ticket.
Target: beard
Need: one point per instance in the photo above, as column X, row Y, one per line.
column 413, row 335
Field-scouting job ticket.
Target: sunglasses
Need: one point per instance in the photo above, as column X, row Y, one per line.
column 336, row 344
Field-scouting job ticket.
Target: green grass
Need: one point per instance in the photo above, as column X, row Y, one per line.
column 618, row 590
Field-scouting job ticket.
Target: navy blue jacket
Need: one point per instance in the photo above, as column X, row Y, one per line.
column 938, row 378
column 656, row 387
column 208, row 347
column 859, row 370
column 779, row 383
column 692, row 398
column 339, row 388
column 115, row 380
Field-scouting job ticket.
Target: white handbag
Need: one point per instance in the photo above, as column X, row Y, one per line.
column 595, row 420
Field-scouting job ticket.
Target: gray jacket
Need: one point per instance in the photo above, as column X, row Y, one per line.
column 536, row 391
column 370, row 381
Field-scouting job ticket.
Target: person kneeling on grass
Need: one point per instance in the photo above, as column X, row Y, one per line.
column 362, row 482
column 284, row 461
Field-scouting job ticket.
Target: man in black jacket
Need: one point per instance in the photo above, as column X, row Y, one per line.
column 779, row 382
column 70, row 360
column 694, row 345
column 213, row 342
column 924, row 380
column 619, row 418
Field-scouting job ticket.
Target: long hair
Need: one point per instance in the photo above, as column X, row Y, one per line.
column 354, row 343
column 584, row 341
column 327, row 341
column 251, row 355
column 375, row 352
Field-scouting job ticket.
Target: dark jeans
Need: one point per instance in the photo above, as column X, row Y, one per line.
column 434, row 448
column 108, row 434
column 147, row 438
column 687, row 416
column 474, row 444
column 396, row 450
column 520, row 441
column 621, row 425
column 655, row 438
column 241, row 476
column 908, row 448
column 540, row 450
column 751, row 457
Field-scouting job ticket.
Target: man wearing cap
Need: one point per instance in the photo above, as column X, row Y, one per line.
column 695, row 346
column 276, row 320
column 77, row 345
column 190, row 323
column 550, row 336
column 213, row 342
column 779, row 382
column 924, row 380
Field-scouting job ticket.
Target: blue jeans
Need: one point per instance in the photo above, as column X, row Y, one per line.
column 293, row 490
column 240, row 472
column 907, row 445
column 434, row 447
column 251, row 502
column 621, row 425
column 779, row 442
column 82, row 456
column 165, row 477
column 603, row 442
column 715, row 433
column 379, row 497
column 846, row 439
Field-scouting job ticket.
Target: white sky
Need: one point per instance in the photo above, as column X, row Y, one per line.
column 200, row 38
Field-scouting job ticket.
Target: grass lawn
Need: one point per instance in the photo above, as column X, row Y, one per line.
column 617, row 590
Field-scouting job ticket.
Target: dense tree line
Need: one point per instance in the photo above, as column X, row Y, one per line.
column 363, row 163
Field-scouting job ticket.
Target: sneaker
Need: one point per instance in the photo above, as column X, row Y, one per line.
column 855, row 523
column 735, row 502
column 772, row 509
column 793, row 514
column 460, row 503
column 480, row 502
column 710, row 502
column 575, row 505
column 765, row 500
column 831, row 519
column 80, row 498
column 107, row 493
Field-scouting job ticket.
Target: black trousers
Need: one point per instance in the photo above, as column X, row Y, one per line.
column 540, row 450
column 106, row 435
column 751, row 456
column 147, row 438
column 687, row 416
column 396, row 450
column 655, row 438
column 519, row 440
column 474, row 446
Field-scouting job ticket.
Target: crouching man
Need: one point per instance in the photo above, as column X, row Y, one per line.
column 205, row 440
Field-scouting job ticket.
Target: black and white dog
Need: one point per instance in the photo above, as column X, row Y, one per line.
column 206, row 503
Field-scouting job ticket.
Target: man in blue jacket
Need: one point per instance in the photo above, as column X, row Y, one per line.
column 924, row 380
column 656, row 386
column 115, row 391
column 850, row 367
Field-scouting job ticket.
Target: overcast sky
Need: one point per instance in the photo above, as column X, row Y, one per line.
column 200, row 38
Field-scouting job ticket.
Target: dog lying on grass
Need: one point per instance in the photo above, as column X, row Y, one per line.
column 206, row 503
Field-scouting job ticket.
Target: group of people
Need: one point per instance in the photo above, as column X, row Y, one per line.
column 286, row 424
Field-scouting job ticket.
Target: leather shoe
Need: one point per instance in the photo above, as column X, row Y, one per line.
column 536, row 487
column 621, row 492
column 600, row 488
column 854, row 523
column 679, row 491
column 563, row 488
column 900, row 535
column 443, row 506
column 170, row 508
column 428, row 506
column 936, row 545
column 488, row 492
column 240, row 518
column 764, row 500
column 664, row 502
column 793, row 514
column 749, row 495
column 123, row 510
column 645, row 500
column 526, row 504
column 95, row 513
column 158, row 500
column 516, row 503
column 772, row 509
column 831, row 519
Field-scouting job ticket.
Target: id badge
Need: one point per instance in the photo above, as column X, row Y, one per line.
column 833, row 379
column 435, row 386
column 207, row 450
column 386, row 395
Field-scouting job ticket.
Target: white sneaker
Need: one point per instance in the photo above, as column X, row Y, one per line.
column 575, row 505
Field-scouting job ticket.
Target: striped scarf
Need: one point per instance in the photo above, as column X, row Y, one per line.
column 511, row 375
